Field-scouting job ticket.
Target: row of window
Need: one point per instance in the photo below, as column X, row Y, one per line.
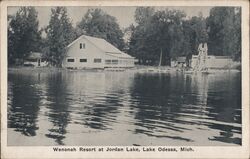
column 85, row 60
column 115, row 62
column 111, row 61
column 97, row 60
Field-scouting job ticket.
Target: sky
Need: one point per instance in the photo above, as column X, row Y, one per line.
column 123, row 14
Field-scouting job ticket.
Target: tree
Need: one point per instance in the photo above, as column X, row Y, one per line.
column 158, row 32
column 99, row 24
column 237, row 31
column 225, row 31
column 60, row 33
column 143, row 14
column 195, row 32
column 23, row 34
column 127, row 36
column 137, row 46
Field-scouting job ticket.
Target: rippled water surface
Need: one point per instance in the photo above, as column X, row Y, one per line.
column 123, row 108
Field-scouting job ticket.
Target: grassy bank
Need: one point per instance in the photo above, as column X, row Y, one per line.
column 139, row 68
column 35, row 69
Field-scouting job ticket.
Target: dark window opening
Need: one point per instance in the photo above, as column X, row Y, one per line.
column 83, row 60
column 97, row 60
column 114, row 61
column 82, row 45
column 71, row 60
column 108, row 61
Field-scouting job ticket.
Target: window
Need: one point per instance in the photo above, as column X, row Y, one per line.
column 83, row 60
column 97, row 60
column 71, row 60
column 108, row 61
column 82, row 45
column 114, row 61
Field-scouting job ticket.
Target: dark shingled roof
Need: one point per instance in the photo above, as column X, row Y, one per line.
column 35, row 55
column 181, row 59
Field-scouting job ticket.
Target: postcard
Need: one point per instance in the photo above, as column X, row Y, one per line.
column 125, row 79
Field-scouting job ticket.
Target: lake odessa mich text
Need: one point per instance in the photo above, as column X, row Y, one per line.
column 123, row 149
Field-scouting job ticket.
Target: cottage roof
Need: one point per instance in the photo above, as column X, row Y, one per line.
column 181, row 59
column 105, row 46
column 35, row 55
column 120, row 55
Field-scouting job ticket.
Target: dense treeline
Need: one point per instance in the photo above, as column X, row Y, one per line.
column 224, row 25
column 99, row 24
column 23, row 34
column 60, row 33
column 157, row 32
column 169, row 32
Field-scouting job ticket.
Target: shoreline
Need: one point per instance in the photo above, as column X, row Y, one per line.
column 139, row 68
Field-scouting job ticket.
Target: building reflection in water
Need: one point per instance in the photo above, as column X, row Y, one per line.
column 168, row 104
column 175, row 106
column 99, row 101
column 59, row 114
column 220, row 105
column 226, row 108
column 158, row 99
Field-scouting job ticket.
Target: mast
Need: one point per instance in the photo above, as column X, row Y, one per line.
column 160, row 58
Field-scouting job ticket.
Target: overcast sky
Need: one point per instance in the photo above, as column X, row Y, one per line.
column 124, row 15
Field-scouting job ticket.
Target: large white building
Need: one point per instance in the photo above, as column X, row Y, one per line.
column 91, row 52
column 214, row 61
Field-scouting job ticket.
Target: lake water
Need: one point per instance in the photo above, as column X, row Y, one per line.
column 123, row 108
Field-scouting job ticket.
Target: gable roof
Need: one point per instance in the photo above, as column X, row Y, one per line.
column 35, row 55
column 104, row 46
column 181, row 59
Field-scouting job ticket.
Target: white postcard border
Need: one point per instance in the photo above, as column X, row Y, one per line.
column 200, row 151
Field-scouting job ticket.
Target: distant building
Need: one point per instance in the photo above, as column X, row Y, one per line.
column 214, row 61
column 35, row 59
column 91, row 52
column 179, row 62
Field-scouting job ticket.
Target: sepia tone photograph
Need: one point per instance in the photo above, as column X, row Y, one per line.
column 141, row 79
column 124, row 76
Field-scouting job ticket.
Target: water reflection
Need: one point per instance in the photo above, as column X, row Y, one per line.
column 220, row 98
column 58, row 105
column 151, row 109
column 175, row 101
column 228, row 112
column 157, row 105
column 23, row 99
column 99, row 101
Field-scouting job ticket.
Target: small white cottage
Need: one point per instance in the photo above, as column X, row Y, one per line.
column 179, row 62
column 91, row 52
column 35, row 59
